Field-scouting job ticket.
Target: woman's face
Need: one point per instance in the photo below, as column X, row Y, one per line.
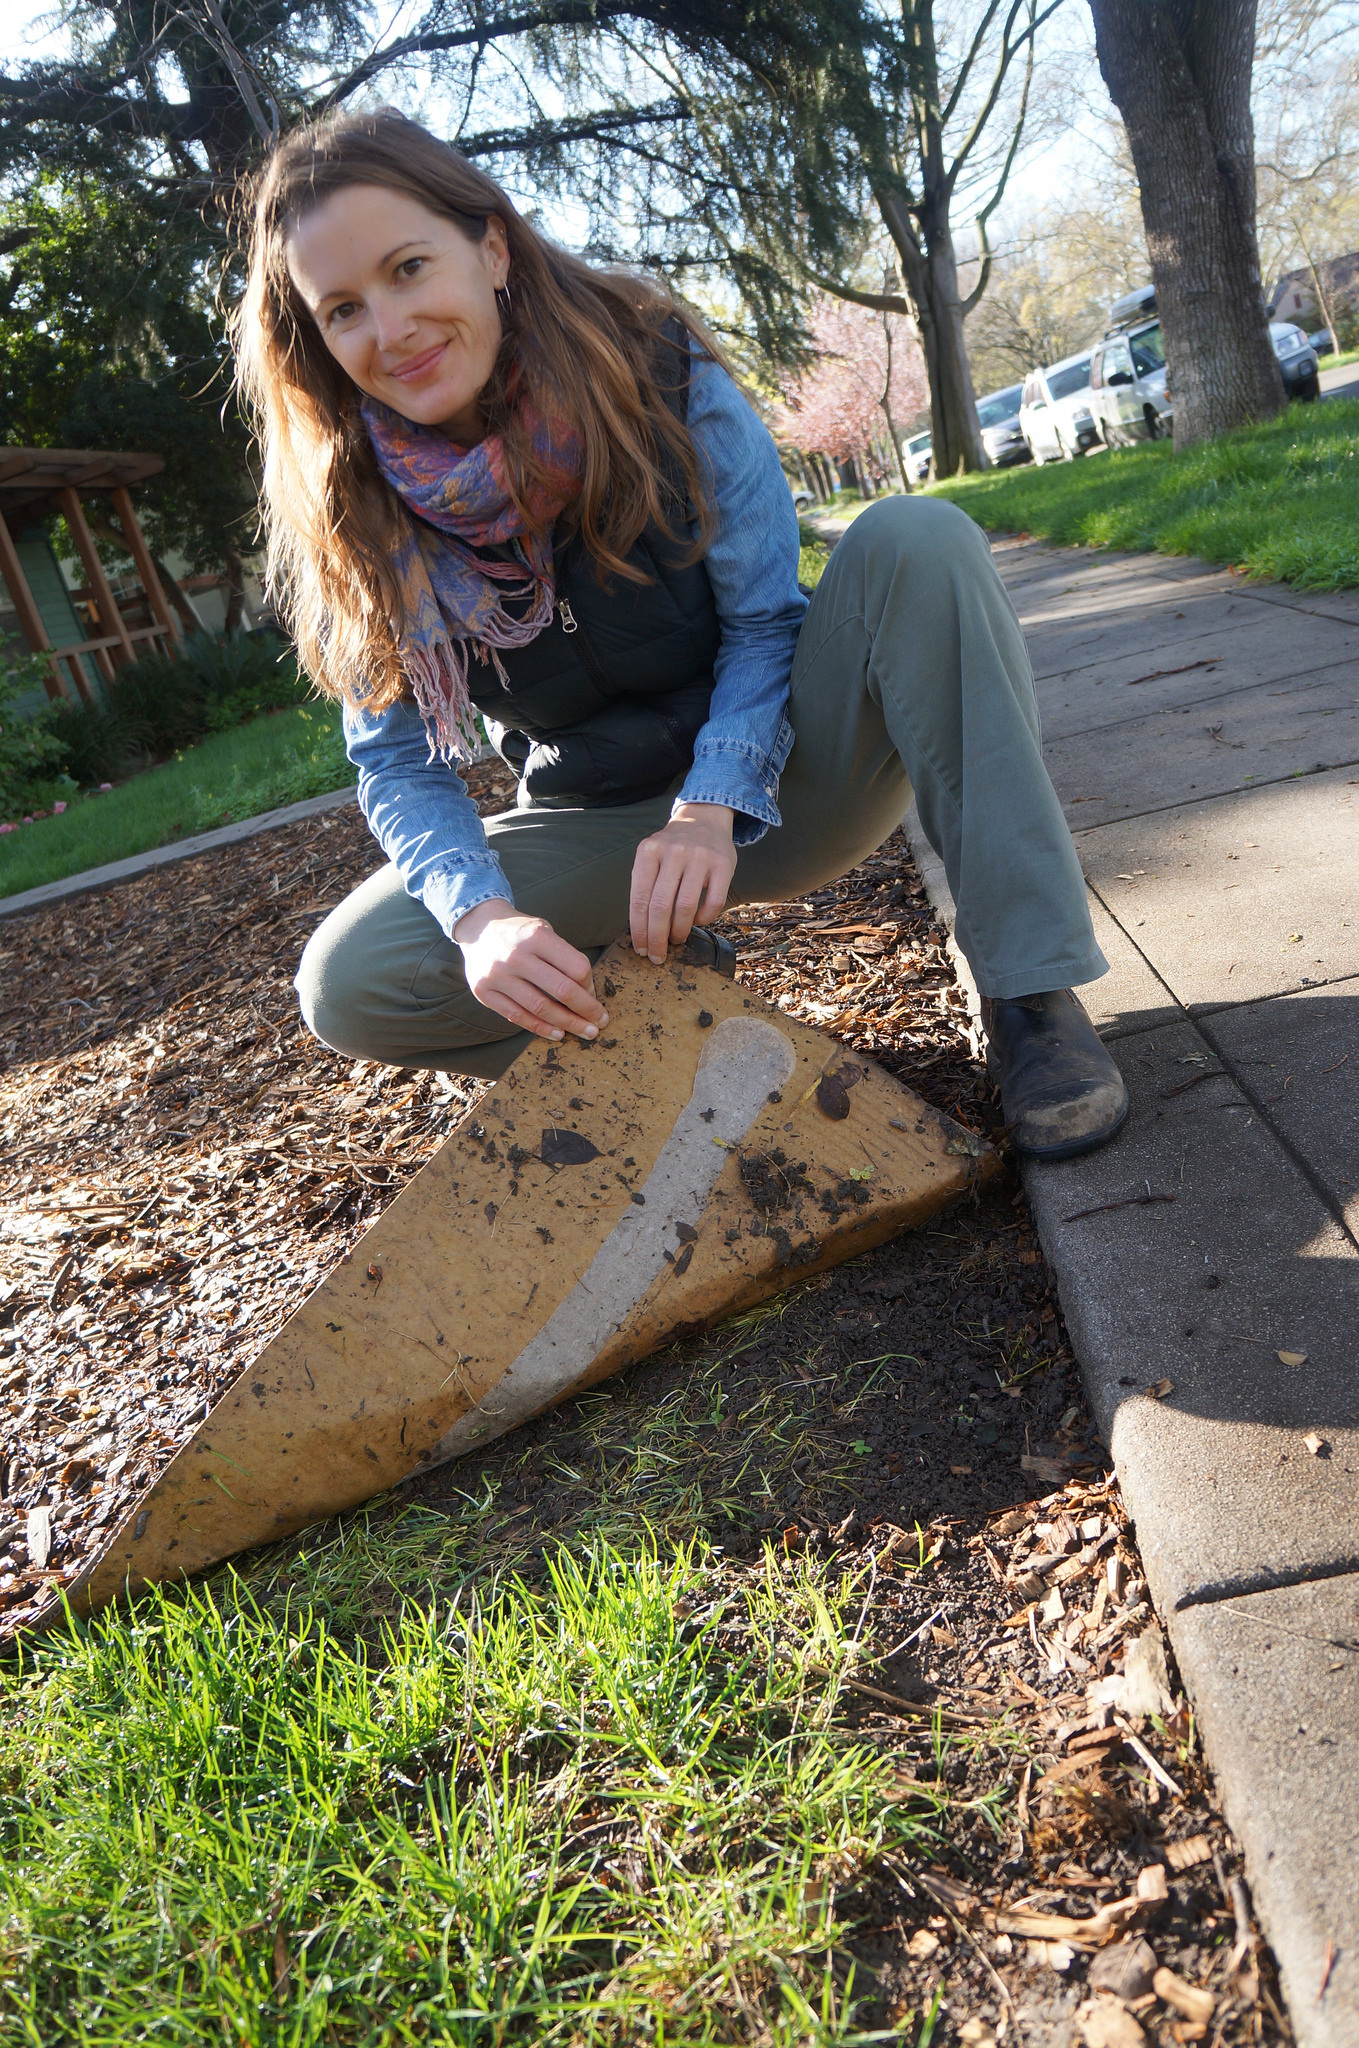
column 404, row 302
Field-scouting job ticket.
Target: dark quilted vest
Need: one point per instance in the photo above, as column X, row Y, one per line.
column 604, row 706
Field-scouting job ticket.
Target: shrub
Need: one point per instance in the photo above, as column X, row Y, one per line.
column 30, row 750
column 169, row 701
column 97, row 743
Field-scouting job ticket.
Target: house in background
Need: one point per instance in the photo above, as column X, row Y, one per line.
column 88, row 621
column 1294, row 297
column 87, row 635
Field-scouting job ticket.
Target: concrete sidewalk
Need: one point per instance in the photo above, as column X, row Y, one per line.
column 1203, row 734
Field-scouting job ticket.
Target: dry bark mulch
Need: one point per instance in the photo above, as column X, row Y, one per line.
column 183, row 1164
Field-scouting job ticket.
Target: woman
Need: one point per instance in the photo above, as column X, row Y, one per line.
column 499, row 481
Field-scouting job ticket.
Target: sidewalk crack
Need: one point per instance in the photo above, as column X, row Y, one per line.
column 1214, row 1593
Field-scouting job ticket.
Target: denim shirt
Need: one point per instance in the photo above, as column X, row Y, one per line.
column 418, row 808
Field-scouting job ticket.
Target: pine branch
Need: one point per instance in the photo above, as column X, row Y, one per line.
column 596, row 127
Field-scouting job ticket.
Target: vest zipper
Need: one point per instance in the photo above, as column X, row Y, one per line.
column 585, row 653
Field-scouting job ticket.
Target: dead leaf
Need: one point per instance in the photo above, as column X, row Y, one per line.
column 1104, row 2023
column 832, row 1097
column 1054, row 1470
column 1151, row 1882
column 1146, row 1677
column 1160, row 1388
column 1126, row 1969
column 566, row 1148
column 1081, row 1760
column 1291, row 1357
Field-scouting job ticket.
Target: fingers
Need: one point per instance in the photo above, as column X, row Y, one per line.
column 527, row 974
column 658, row 874
column 645, row 869
column 674, row 888
column 568, row 978
column 714, row 903
column 520, row 1003
column 688, row 898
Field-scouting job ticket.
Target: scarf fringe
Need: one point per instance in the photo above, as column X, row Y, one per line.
column 438, row 679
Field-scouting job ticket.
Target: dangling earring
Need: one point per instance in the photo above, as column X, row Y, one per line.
column 503, row 301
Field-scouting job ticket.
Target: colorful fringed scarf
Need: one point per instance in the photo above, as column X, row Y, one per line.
column 452, row 597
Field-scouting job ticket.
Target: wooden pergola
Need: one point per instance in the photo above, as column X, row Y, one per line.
column 36, row 482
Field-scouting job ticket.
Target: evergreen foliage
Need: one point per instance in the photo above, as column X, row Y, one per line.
column 746, row 151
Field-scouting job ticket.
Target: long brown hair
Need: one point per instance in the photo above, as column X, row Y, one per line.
column 578, row 342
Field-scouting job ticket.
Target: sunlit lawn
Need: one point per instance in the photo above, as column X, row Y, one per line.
column 374, row 1795
column 277, row 759
column 1279, row 500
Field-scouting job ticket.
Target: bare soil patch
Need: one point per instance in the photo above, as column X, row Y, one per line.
column 184, row 1162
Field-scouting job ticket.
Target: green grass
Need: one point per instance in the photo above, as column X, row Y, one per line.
column 1279, row 500
column 273, row 760
column 373, row 1792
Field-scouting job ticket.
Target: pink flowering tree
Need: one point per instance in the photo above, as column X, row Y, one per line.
column 868, row 374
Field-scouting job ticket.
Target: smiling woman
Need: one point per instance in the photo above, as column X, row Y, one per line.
column 416, row 325
column 508, row 490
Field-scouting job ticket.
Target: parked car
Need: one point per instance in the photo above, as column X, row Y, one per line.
column 917, row 454
column 1002, row 435
column 1128, row 398
column 1297, row 360
column 1054, row 412
column 803, row 500
column 1321, row 341
column 1132, row 308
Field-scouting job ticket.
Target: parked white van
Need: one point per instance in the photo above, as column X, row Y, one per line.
column 1055, row 413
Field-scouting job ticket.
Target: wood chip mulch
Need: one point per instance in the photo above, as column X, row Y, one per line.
column 184, row 1162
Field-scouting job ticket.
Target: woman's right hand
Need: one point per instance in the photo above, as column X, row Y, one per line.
column 520, row 968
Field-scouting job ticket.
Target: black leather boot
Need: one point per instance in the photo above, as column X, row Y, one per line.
column 704, row 948
column 1059, row 1087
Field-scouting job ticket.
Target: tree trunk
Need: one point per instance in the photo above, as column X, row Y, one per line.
column 188, row 615
column 893, row 442
column 1179, row 72
column 235, row 604
column 928, row 268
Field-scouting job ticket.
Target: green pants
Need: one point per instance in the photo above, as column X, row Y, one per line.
column 911, row 674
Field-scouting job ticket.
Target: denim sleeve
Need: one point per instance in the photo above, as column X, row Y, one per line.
column 419, row 812
column 752, row 566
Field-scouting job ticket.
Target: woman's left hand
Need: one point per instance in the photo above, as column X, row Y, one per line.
column 680, row 877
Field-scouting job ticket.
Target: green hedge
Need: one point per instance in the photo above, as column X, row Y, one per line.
column 154, row 709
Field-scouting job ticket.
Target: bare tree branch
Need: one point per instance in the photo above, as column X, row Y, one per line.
column 876, row 302
column 998, row 193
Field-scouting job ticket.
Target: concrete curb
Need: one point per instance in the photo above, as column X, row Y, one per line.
column 1276, row 1710
column 92, row 880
